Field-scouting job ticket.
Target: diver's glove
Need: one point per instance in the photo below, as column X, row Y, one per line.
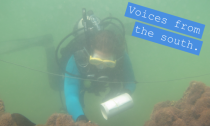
column 82, row 118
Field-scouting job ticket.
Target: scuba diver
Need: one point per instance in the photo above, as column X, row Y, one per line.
column 96, row 59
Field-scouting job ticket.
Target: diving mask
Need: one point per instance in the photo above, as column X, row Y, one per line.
column 98, row 61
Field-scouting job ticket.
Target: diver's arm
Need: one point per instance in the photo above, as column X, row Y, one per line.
column 71, row 90
column 128, row 74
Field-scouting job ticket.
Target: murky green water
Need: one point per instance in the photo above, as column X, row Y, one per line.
column 31, row 30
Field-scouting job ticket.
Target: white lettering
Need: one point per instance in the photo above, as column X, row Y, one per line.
column 191, row 28
column 183, row 26
column 130, row 9
column 150, row 33
column 178, row 22
column 139, row 13
column 144, row 14
column 189, row 44
column 157, row 18
column 176, row 43
column 163, row 36
column 136, row 29
column 143, row 31
column 171, row 39
column 149, row 16
column 164, row 20
column 182, row 43
column 198, row 30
